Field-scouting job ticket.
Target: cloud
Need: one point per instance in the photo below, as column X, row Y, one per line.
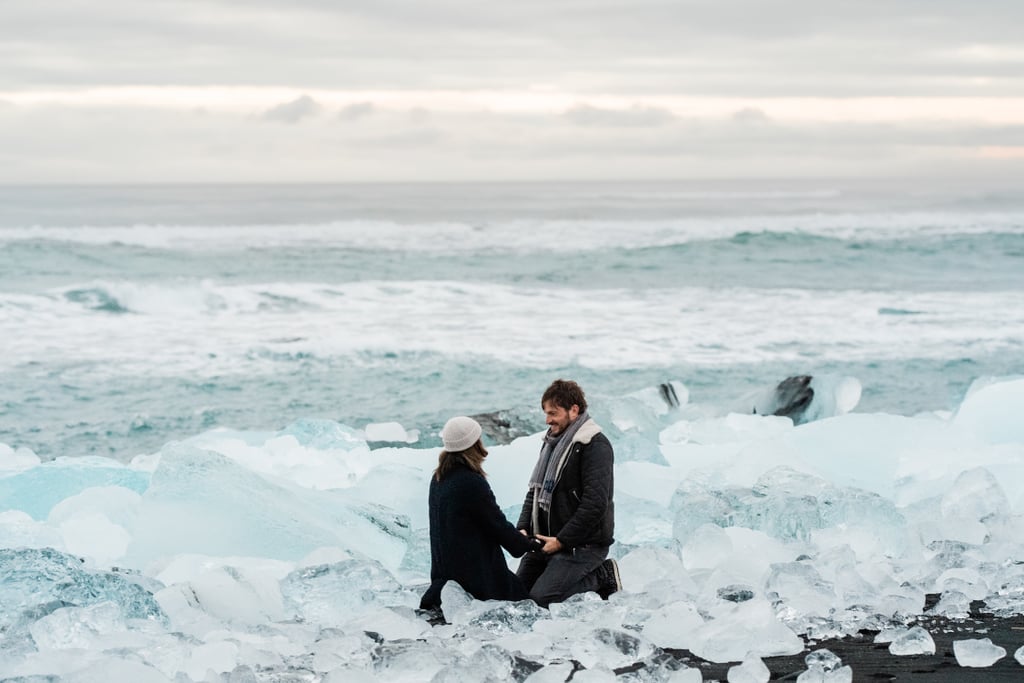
column 750, row 115
column 293, row 111
column 356, row 111
column 740, row 47
column 587, row 115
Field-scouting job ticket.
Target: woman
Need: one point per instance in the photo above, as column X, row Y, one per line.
column 467, row 528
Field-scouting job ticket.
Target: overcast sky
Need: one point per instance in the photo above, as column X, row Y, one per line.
column 352, row 90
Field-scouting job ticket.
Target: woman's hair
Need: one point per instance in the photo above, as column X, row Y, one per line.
column 472, row 457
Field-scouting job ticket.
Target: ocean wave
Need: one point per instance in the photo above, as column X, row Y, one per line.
column 523, row 235
column 211, row 327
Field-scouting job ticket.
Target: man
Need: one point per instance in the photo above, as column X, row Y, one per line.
column 569, row 504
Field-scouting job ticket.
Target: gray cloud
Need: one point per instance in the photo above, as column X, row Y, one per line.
column 293, row 111
column 587, row 115
column 750, row 115
column 785, row 47
column 356, row 111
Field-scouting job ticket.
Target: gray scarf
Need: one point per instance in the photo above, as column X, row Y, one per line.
column 542, row 481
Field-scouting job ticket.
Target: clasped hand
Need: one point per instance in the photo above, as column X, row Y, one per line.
column 551, row 544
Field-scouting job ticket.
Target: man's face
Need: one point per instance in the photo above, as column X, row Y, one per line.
column 558, row 418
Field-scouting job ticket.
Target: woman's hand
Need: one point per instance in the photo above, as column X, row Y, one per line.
column 551, row 544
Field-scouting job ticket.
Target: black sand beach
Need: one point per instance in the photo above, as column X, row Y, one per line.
column 872, row 661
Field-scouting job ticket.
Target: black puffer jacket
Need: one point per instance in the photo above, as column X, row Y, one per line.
column 582, row 511
column 467, row 532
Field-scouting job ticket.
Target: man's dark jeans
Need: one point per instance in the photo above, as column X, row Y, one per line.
column 553, row 578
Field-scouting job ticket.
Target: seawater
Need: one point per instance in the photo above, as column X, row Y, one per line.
column 132, row 316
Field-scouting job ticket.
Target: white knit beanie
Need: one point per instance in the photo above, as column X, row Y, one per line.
column 459, row 433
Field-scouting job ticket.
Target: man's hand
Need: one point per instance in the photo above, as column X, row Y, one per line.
column 523, row 532
column 551, row 544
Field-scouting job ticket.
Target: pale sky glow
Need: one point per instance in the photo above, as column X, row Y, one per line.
column 311, row 90
column 249, row 100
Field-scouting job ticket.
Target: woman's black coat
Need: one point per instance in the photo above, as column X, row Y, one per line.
column 467, row 532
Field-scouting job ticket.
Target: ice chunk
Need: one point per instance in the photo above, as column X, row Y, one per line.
column 673, row 625
column 497, row 617
column 324, row 435
column 991, row 411
column 706, row 547
column 110, row 668
column 662, row 666
column 975, row 501
column 390, row 431
column 19, row 530
column 405, row 660
column 391, row 623
column 93, row 523
column 555, row 672
column 77, row 627
column 609, row 648
column 750, row 554
column 801, row 589
column 406, row 489
column 218, row 657
column 912, row 641
column 641, row 410
column 750, row 670
column 737, row 630
column 833, row 395
column 203, row 502
column 823, row 666
column 803, row 398
column 238, row 594
column 117, row 503
column 787, row 505
column 333, row 594
column 953, row 605
column 502, row 617
column 977, row 652
column 96, row 538
column 334, row 649
column 649, row 481
column 1019, row 655
column 35, row 582
column 489, row 663
column 38, row 489
column 735, row 429
column 16, row 459
column 639, row 521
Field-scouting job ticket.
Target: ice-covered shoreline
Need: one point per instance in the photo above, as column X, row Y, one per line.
column 300, row 554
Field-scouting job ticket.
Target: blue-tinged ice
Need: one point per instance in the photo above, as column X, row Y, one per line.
column 497, row 617
column 324, row 434
column 490, row 662
column 203, row 502
column 16, row 459
column 991, row 410
column 785, row 504
column 38, row 489
column 332, row 594
column 35, row 582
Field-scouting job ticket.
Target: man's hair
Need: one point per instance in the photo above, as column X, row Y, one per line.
column 565, row 394
column 472, row 457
